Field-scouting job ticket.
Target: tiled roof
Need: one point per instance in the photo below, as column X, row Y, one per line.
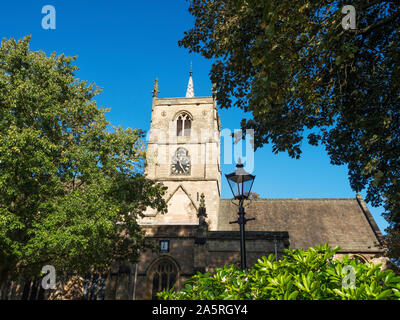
column 310, row 222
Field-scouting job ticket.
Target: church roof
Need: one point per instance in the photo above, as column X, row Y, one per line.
column 310, row 222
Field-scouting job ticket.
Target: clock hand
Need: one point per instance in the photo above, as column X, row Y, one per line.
column 181, row 166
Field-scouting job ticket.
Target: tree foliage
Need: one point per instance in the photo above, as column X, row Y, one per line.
column 392, row 243
column 300, row 74
column 70, row 188
column 301, row 275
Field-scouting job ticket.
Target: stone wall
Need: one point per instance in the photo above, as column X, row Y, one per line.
column 194, row 249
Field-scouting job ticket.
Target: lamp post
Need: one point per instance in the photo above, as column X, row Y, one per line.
column 240, row 183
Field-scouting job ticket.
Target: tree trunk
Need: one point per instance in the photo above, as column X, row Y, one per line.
column 4, row 281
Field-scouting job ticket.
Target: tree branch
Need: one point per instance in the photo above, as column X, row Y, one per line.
column 380, row 23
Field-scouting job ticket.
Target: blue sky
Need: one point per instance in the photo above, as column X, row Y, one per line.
column 124, row 45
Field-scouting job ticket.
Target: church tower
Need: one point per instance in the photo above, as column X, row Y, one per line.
column 183, row 153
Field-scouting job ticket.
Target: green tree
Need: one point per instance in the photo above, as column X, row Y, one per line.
column 301, row 275
column 70, row 189
column 392, row 243
column 292, row 66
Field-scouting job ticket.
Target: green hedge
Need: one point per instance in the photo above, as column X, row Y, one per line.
column 301, row 275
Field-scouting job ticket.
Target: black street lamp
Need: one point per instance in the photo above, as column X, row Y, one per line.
column 240, row 183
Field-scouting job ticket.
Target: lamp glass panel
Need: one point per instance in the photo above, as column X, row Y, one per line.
column 247, row 187
column 234, row 187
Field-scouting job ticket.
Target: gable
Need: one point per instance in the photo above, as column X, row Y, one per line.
column 181, row 208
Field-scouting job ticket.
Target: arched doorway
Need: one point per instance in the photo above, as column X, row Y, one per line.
column 163, row 275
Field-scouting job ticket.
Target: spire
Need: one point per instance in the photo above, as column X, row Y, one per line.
column 202, row 202
column 155, row 89
column 201, row 214
column 190, row 88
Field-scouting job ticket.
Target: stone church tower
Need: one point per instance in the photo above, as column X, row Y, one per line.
column 183, row 153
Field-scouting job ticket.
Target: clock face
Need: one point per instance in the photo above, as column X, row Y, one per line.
column 180, row 162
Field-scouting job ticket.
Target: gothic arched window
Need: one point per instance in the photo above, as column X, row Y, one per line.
column 94, row 286
column 183, row 124
column 164, row 277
